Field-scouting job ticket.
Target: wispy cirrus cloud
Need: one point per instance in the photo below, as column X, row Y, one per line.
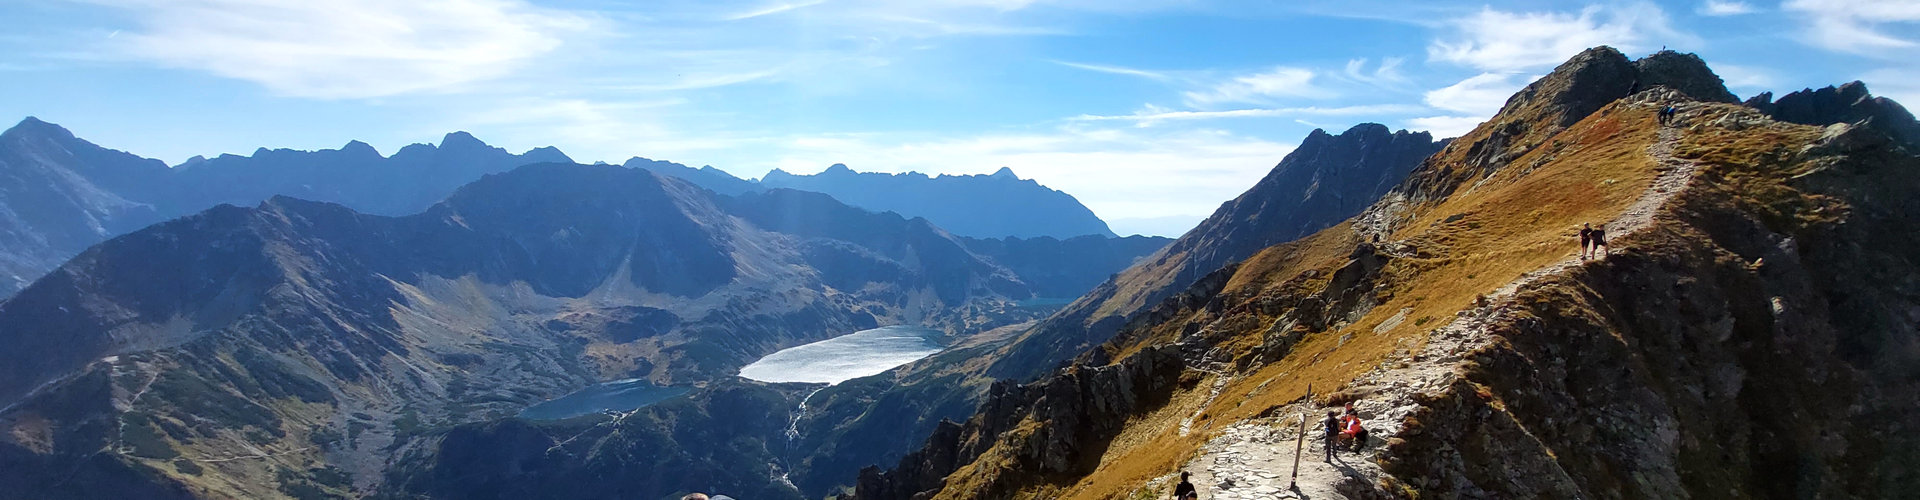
column 1155, row 114
column 346, row 48
column 1720, row 8
column 1260, row 88
column 1118, row 70
column 769, row 10
column 1859, row 26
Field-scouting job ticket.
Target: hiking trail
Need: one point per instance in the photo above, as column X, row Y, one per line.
column 1251, row 459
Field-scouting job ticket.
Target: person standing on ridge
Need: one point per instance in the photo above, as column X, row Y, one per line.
column 1586, row 239
column 1600, row 241
column 1185, row 488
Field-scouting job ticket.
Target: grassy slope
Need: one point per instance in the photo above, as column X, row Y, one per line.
column 1486, row 234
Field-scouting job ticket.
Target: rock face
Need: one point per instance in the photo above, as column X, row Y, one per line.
column 1749, row 333
column 1056, row 426
column 332, row 339
column 980, row 206
column 1849, row 103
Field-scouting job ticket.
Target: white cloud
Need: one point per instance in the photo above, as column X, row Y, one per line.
column 1154, row 114
column 1116, row 70
column 1858, row 26
column 1445, row 126
column 1386, row 74
column 769, row 10
column 1480, row 95
column 1259, row 88
column 1725, row 8
column 1499, row 41
column 1744, row 77
column 346, row 48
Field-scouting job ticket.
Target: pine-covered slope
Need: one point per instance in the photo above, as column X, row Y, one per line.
column 1749, row 334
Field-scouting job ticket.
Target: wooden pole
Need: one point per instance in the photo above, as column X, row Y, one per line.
column 1300, row 442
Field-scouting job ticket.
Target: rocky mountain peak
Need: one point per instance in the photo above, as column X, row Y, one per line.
column 1686, row 73
column 357, row 148
column 1576, row 88
column 31, row 126
column 1005, row 173
column 462, row 141
column 1847, row 103
column 839, row 169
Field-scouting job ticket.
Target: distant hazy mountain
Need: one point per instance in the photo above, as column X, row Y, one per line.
column 979, row 206
column 60, row 194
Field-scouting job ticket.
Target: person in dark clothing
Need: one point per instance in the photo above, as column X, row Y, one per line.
column 1333, row 433
column 1600, row 241
column 1185, row 488
column 1586, row 239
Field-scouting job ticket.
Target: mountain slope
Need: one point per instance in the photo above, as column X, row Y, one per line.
column 1719, row 350
column 60, row 194
column 332, row 340
column 1327, row 179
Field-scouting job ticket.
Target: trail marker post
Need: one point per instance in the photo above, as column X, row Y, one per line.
column 1300, row 442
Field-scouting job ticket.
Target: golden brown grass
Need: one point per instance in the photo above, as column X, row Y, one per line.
column 1523, row 218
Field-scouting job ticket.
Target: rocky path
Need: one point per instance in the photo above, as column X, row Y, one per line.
column 1253, row 459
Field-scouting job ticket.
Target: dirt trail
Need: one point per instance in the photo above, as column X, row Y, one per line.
column 1252, row 459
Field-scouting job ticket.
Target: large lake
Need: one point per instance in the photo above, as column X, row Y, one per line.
column 618, row 395
column 835, row 360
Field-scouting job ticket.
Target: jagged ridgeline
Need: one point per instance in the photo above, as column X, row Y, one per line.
column 1750, row 334
column 302, row 349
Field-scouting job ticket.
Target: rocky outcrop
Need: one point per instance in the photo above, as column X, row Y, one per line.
column 1057, row 426
column 1848, row 103
column 1685, row 73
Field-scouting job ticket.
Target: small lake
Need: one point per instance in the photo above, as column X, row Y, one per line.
column 855, row 355
column 619, row 395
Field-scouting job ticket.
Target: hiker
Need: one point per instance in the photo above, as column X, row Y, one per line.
column 1333, row 433
column 1586, row 239
column 1356, row 432
column 1185, row 489
column 1600, row 241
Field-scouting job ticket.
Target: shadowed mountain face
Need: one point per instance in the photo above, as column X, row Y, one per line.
column 1324, row 181
column 63, row 194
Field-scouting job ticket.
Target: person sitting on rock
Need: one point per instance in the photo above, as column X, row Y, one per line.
column 1185, row 490
column 1355, row 432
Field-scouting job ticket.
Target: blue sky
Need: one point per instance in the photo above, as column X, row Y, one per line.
column 1140, row 108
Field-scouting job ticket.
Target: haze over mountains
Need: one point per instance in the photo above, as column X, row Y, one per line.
column 997, row 205
column 63, row 194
